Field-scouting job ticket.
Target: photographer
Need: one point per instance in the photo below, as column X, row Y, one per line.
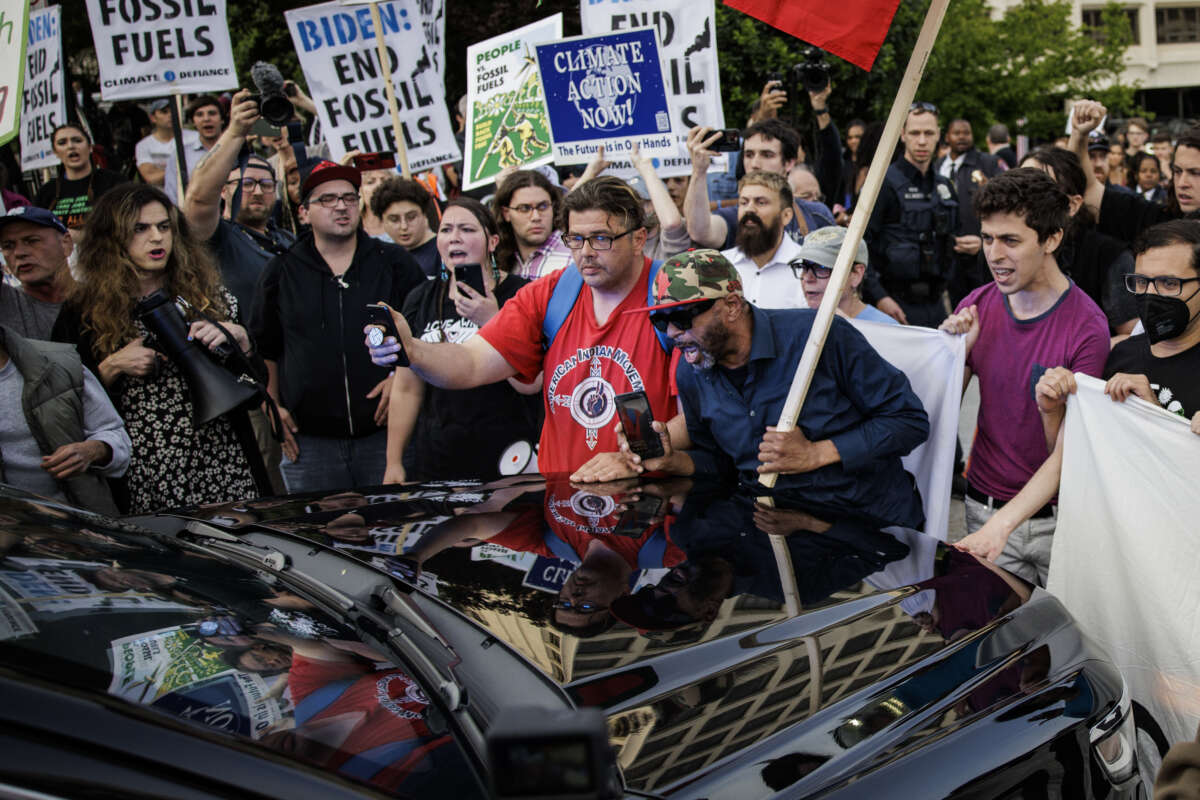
column 137, row 244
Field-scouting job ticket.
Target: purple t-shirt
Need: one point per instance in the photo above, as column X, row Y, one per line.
column 1009, row 357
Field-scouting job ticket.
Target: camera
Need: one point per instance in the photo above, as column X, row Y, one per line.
column 272, row 98
column 813, row 72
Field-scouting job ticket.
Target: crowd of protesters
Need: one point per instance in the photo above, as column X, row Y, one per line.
column 521, row 309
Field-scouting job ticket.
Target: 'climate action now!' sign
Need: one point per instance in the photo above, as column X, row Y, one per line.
column 606, row 90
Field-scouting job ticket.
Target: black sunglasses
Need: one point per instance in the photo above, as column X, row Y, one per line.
column 680, row 316
column 922, row 105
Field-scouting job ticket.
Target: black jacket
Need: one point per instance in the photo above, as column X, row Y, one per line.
column 310, row 322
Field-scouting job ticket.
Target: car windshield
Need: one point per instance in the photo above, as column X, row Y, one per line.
column 88, row 605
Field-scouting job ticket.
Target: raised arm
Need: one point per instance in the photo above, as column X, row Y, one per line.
column 202, row 206
column 1085, row 118
column 706, row 228
column 664, row 207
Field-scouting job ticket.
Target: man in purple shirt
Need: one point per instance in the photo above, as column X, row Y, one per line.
column 1031, row 317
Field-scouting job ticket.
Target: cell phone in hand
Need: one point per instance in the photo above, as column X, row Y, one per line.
column 471, row 275
column 379, row 316
column 730, row 141
column 638, row 516
column 369, row 161
column 633, row 409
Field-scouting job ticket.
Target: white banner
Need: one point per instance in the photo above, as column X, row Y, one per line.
column 148, row 48
column 1126, row 557
column 933, row 363
column 14, row 15
column 688, row 44
column 44, row 100
column 507, row 123
column 337, row 51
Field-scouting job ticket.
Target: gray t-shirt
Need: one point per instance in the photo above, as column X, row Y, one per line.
column 28, row 316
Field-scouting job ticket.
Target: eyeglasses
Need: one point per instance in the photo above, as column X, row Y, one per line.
column 582, row 608
column 248, row 184
column 801, row 266
column 598, row 241
column 526, row 208
column 921, row 105
column 680, row 316
column 1165, row 285
column 331, row 200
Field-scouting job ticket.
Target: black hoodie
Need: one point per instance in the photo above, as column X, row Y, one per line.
column 310, row 322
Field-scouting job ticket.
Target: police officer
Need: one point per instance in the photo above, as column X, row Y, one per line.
column 969, row 170
column 911, row 233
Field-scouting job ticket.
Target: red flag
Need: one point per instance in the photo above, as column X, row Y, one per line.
column 852, row 29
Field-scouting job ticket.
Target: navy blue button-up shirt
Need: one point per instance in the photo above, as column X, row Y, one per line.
column 857, row 399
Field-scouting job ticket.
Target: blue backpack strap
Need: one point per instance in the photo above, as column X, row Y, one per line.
column 562, row 300
column 566, row 293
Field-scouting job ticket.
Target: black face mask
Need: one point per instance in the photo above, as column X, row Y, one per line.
column 1163, row 317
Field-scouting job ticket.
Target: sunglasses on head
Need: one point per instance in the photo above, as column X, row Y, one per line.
column 679, row 316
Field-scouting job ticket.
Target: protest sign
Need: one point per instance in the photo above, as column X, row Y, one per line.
column 148, row 48
column 147, row 666
column 1124, row 557
column 44, row 99
column 688, row 46
column 14, row 19
column 606, row 90
column 507, row 123
column 337, row 51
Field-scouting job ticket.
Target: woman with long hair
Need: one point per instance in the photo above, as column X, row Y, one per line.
column 72, row 195
column 484, row 432
column 138, row 243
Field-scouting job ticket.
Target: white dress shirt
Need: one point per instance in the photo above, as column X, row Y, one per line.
column 773, row 285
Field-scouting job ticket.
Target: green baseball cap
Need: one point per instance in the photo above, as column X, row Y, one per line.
column 693, row 277
column 822, row 246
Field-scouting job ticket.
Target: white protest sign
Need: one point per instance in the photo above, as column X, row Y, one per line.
column 688, row 44
column 507, row 123
column 44, row 101
column 14, row 17
column 1125, row 555
column 148, row 48
column 337, row 51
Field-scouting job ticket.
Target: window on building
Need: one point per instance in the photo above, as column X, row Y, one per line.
column 1176, row 25
column 1093, row 23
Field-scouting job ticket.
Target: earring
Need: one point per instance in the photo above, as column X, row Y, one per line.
column 444, row 272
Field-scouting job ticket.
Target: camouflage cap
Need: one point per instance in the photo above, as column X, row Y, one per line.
column 694, row 276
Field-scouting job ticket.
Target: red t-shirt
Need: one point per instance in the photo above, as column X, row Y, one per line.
column 585, row 368
column 386, row 706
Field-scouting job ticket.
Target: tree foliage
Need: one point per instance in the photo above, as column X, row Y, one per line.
column 1019, row 69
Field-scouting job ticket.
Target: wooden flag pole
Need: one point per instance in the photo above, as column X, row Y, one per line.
column 858, row 223
column 385, row 67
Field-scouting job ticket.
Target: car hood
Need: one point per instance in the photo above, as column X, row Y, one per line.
column 713, row 630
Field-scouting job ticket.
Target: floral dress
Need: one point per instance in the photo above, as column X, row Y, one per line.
column 172, row 462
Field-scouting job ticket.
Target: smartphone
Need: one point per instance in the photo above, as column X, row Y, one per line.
column 471, row 275
column 368, row 161
column 380, row 316
column 263, row 128
column 638, row 517
column 730, row 141
column 633, row 408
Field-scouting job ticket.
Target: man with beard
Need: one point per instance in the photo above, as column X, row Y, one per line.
column 736, row 368
column 911, row 233
column 764, row 252
column 244, row 245
column 204, row 113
